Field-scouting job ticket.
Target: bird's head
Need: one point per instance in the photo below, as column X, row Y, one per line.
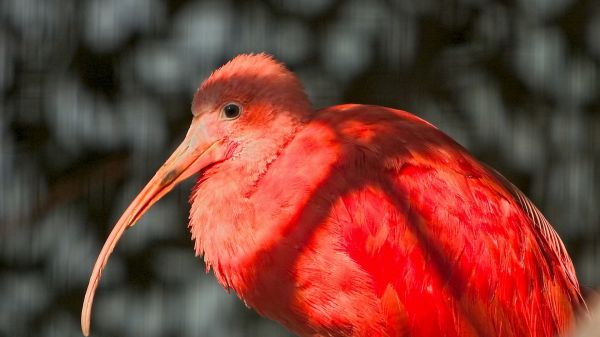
column 251, row 100
column 247, row 108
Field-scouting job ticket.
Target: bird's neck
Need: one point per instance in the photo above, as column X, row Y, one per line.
column 225, row 216
column 251, row 166
column 246, row 214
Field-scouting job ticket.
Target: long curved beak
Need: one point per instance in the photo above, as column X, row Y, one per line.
column 194, row 154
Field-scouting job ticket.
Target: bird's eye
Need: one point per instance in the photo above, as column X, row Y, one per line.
column 232, row 110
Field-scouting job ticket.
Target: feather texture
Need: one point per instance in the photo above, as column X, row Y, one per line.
column 371, row 221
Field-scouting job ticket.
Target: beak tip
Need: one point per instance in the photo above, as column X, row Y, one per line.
column 85, row 324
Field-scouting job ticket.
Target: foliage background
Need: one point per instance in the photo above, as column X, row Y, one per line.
column 95, row 94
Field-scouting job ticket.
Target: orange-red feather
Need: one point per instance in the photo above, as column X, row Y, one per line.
column 370, row 221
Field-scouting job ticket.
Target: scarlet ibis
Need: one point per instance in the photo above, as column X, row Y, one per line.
column 355, row 220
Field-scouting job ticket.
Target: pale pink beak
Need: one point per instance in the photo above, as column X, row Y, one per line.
column 195, row 153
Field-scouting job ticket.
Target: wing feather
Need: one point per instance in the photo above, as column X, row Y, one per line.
column 454, row 240
column 545, row 232
column 441, row 228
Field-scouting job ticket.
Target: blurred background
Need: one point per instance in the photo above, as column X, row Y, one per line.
column 95, row 94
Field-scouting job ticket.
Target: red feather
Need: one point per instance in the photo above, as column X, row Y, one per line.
column 392, row 223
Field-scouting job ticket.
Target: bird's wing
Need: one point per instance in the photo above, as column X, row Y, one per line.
column 544, row 231
column 429, row 222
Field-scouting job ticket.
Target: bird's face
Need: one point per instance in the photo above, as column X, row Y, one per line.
column 245, row 109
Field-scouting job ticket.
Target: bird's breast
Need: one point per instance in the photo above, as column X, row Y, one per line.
column 315, row 288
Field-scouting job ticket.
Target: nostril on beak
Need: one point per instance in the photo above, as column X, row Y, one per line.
column 169, row 177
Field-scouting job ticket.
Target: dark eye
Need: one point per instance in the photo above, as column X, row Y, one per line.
column 232, row 110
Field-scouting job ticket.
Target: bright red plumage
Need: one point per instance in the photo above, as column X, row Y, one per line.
column 385, row 207
column 359, row 220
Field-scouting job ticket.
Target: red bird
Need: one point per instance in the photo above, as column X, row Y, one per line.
column 355, row 220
